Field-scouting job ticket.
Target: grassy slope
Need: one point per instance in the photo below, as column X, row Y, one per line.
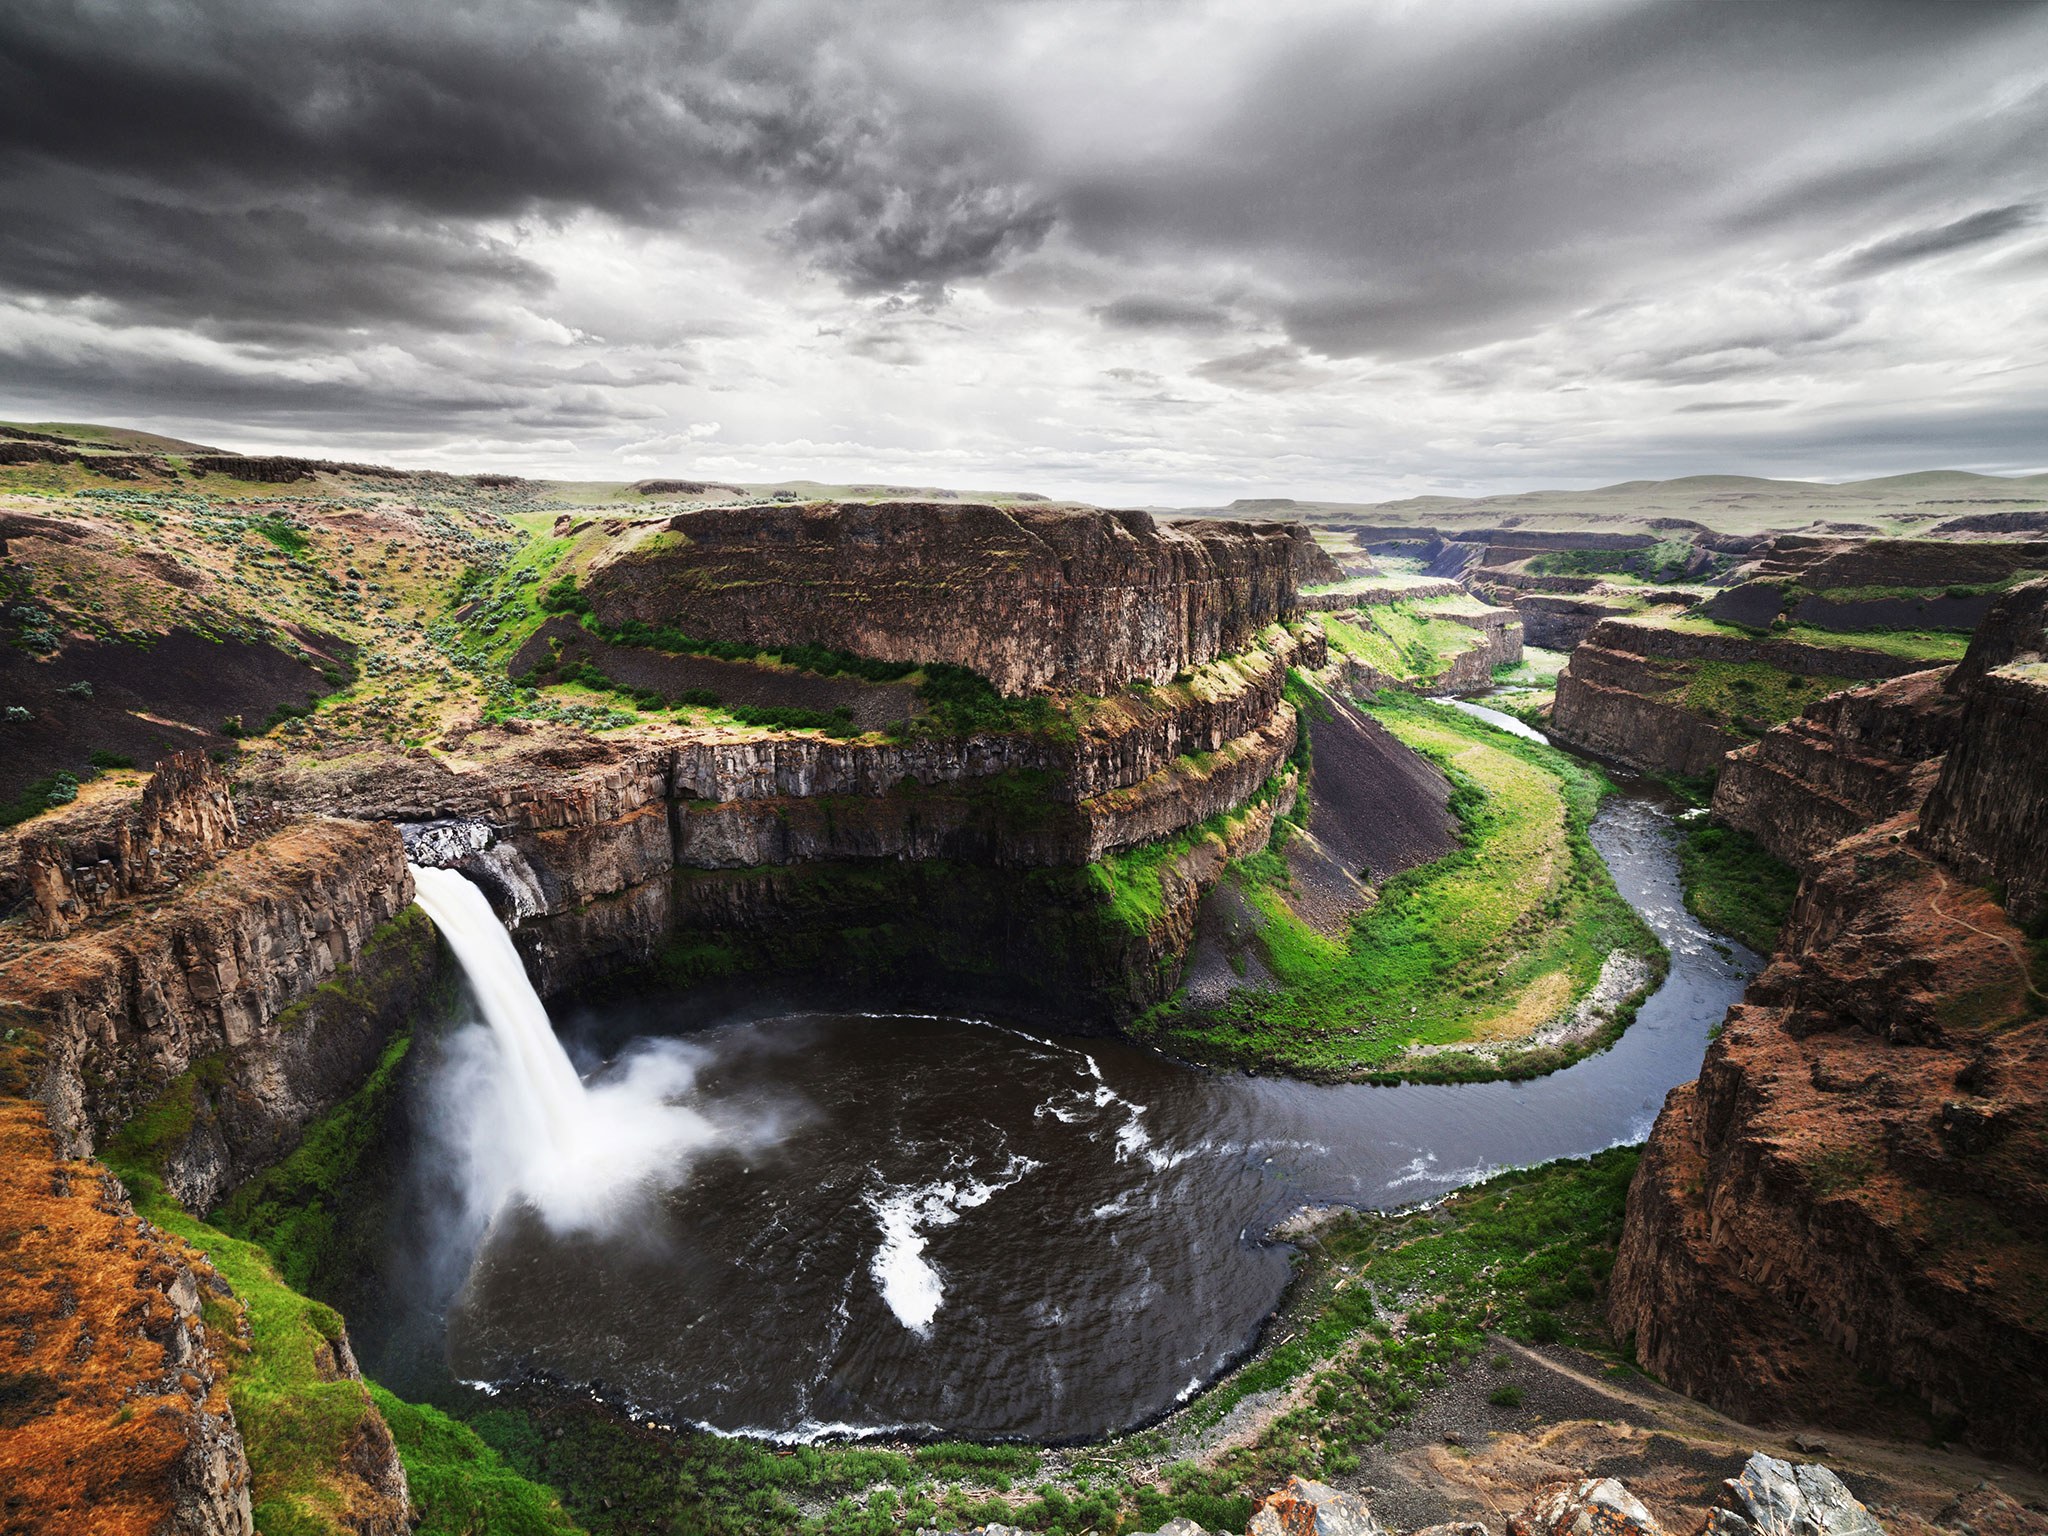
column 1733, row 886
column 1407, row 641
column 1483, row 945
column 298, row 1427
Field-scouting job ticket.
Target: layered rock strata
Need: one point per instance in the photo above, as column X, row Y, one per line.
column 1988, row 815
column 1620, row 695
column 255, row 996
column 1855, row 1183
column 1861, row 756
column 604, row 851
column 1850, row 761
column 84, row 864
column 1855, row 1186
column 1558, row 622
column 1032, row 598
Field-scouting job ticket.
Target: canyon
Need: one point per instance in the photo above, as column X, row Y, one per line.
column 201, row 967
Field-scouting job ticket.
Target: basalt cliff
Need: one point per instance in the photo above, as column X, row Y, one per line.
column 1854, row 1189
column 1031, row 598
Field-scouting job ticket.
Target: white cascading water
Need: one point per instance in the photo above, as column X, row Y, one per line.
column 521, row 1122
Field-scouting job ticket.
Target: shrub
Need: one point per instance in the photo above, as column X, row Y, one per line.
column 563, row 597
column 1505, row 1397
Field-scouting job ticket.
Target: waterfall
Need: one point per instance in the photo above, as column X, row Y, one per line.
column 514, row 1117
column 539, row 1072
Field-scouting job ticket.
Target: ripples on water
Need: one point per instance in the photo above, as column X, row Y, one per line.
column 981, row 1230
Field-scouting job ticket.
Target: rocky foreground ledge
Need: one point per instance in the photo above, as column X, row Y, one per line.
column 1768, row 1498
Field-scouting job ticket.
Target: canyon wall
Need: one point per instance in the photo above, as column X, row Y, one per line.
column 1854, row 759
column 608, row 852
column 1034, row 599
column 1857, row 1185
column 1988, row 814
column 1621, row 697
column 238, row 1004
column 1558, row 622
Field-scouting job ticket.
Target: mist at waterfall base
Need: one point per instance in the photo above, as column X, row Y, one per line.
column 510, row 1124
column 804, row 1222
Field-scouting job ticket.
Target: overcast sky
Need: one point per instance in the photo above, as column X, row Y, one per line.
column 1166, row 251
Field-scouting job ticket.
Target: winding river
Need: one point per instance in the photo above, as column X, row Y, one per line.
column 923, row 1224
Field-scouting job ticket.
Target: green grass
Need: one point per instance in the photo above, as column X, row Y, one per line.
column 1749, row 697
column 1483, row 945
column 308, row 1210
column 1664, row 561
column 286, row 536
column 1930, row 646
column 1732, row 885
column 460, row 1486
column 1403, row 640
column 1393, row 1305
column 1129, row 880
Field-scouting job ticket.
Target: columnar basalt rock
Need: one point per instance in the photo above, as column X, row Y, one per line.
column 1034, row 599
column 215, row 993
column 83, row 864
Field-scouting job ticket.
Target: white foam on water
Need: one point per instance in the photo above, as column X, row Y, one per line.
column 910, row 1285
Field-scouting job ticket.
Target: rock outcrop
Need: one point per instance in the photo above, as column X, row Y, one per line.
column 1855, row 1182
column 1622, row 696
column 83, row 864
column 1852, row 760
column 241, row 1004
column 1558, row 622
column 1859, row 757
column 1034, row 599
column 1988, row 815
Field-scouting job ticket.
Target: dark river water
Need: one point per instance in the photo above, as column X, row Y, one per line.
column 964, row 1227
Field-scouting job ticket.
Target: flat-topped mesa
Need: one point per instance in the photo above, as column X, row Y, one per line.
column 1036, row 599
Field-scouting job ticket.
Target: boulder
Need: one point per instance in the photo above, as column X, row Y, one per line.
column 1592, row 1507
column 1305, row 1508
column 1775, row 1498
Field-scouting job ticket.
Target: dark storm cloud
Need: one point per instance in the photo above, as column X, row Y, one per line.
column 1153, row 312
column 267, row 269
column 1919, row 244
column 1426, row 192
column 546, row 213
column 355, row 141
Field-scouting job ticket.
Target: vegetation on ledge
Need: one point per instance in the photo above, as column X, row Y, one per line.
column 1732, row 885
column 1459, row 964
